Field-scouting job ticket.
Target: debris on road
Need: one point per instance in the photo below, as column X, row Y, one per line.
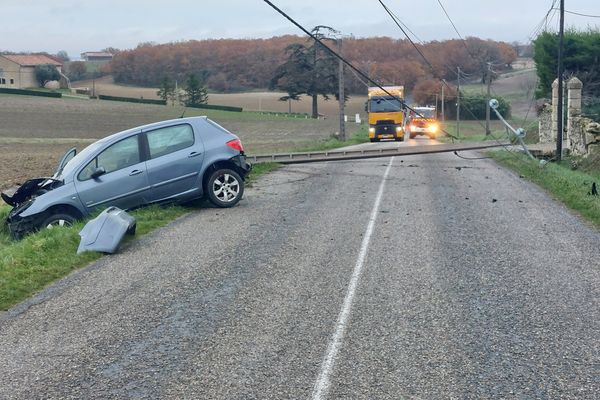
column 105, row 232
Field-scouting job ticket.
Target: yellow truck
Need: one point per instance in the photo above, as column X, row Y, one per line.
column 386, row 113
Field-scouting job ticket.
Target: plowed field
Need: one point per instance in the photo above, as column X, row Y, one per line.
column 36, row 131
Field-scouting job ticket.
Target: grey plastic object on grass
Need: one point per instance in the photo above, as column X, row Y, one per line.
column 105, row 232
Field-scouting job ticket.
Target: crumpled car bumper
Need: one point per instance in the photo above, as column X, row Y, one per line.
column 242, row 163
column 105, row 232
column 19, row 226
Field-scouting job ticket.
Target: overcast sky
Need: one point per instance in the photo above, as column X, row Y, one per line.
column 89, row 25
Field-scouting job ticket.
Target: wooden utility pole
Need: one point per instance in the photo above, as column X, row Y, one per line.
column 487, row 99
column 341, row 96
column 561, row 44
column 458, row 103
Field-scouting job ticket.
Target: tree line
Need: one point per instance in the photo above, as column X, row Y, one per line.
column 581, row 57
column 243, row 64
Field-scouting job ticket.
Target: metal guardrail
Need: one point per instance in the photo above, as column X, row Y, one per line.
column 343, row 155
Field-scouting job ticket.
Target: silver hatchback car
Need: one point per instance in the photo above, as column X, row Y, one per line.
column 171, row 161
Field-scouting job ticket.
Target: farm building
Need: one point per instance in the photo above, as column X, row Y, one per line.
column 97, row 56
column 18, row 71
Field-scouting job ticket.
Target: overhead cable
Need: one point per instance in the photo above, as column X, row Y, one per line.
column 346, row 62
column 582, row 15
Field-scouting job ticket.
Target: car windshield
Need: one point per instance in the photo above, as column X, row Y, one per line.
column 385, row 104
column 424, row 113
column 75, row 161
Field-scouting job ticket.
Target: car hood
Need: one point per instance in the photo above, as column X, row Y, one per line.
column 29, row 189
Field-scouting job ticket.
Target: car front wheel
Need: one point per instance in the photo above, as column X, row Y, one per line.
column 57, row 220
column 225, row 188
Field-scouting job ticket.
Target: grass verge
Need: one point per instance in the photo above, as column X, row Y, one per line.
column 39, row 259
column 29, row 265
column 571, row 187
column 361, row 136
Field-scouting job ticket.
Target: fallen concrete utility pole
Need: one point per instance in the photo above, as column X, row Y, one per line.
column 341, row 155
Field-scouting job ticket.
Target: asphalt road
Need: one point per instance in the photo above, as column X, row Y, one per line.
column 427, row 277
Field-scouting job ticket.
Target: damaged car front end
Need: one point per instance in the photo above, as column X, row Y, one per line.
column 22, row 199
column 25, row 217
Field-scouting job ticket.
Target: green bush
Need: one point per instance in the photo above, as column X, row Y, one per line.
column 45, row 73
column 591, row 108
column 580, row 58
column 30, row 92
column 132, row 100
column 472, row 107
column 217, row 107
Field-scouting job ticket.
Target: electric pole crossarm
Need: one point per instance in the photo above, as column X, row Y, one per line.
column 519, row 133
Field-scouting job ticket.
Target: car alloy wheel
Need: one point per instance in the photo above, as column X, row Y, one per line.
column 58, row 220
column 225, row 188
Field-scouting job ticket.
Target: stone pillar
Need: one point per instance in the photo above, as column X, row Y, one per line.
column 574, row 87
column 545, row 124
column 554, row 110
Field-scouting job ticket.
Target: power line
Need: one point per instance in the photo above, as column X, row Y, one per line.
column 316, row 39
column 543, row 24
column 332, row 52
column 582, row 15
column 414, row 34
column 455, row 29
column 394, row 18
column 421, row 42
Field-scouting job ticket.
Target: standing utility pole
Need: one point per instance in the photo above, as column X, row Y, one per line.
column 559, row 123
column 458, row 103
column 443, row 100
column 342, row 96
column 487, row 100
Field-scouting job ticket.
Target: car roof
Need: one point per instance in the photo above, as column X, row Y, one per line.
column 151, row 126
column 119, row 135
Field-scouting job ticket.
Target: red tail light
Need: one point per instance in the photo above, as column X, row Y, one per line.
column 236, row 144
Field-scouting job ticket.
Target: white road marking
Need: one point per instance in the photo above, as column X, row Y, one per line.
column 322, row 384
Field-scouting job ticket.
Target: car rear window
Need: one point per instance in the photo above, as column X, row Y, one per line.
column 168, row 140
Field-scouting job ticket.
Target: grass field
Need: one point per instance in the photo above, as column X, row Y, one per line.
column 36, row 131
column 250, row 101
column 516, row 87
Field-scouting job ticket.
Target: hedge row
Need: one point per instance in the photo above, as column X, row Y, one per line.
column 30, row 92
column 132, row 100
column 472, row 107
column 216, row 107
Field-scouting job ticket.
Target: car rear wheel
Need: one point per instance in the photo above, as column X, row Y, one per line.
column 58, row 220
column 225, row 188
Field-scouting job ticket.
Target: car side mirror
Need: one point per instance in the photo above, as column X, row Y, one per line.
column 99, row 171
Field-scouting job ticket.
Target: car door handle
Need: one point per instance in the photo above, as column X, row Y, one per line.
column 194, row 154
column 135, row 172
